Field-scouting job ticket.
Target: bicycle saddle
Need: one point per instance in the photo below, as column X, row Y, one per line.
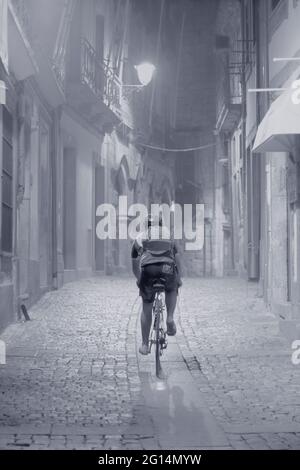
column 159, row 285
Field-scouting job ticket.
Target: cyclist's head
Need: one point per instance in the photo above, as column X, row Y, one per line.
column 154, row 221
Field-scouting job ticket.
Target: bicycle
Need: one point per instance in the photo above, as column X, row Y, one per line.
column 158, row 335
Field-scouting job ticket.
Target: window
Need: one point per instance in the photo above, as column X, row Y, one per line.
column 250, row 33
column 274, row 4
column 7, row 182
column 279, row 10
column 225, row 188
column 99, row 38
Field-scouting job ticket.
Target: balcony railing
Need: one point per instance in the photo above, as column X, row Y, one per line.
column 59, row 69
column 59, row 55
column 112, row 90
column 229, row 96
column 92, row 71
column 100, row 78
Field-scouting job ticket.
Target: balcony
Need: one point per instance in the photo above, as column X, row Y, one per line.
column 58, row 60
column 229, row 97
column 94, row 90
column 92, row 71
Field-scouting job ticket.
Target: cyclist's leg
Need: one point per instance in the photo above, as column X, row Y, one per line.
column 147, row 294
column 171, row 299
column 146, row 320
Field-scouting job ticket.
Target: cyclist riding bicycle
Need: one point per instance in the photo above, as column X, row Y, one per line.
column 155, row 257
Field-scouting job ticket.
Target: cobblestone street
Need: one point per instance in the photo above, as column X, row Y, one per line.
column 73, row 378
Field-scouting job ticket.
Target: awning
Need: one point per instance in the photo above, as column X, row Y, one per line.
column 280, row 126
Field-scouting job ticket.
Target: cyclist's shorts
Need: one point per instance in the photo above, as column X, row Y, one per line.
column 151, row 273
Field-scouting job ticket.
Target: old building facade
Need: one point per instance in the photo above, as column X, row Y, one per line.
column 78, row 130
column 263, row 179
column 73, row 138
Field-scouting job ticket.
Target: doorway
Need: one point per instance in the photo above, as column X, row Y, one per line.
column 69, row 209
column 44, row 222
column 99, row 199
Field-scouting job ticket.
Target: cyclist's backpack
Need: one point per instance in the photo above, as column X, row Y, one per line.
column 158, row 251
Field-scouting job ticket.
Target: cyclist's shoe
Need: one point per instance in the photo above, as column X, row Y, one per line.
column 144, row 349
column 171, row 328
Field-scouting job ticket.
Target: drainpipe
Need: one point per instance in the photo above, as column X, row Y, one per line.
column 259, row 64
column 244, row 104
column 243, row 82
column 20, row 193
column 19, row 196
column 266, row 161
column 54, row 160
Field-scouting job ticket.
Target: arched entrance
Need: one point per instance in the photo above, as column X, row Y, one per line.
column 121, row 248
column 167, row 197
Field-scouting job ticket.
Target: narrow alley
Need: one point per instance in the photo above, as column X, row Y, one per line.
column 73, row 378
column 147, row 142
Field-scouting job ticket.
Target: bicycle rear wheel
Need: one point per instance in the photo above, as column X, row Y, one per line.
column 157, row 340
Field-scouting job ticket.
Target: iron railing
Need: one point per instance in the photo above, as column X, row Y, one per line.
column 100, row 78
column 229, row 93
column 59, row 55
column 112, row 90
column 92, row 71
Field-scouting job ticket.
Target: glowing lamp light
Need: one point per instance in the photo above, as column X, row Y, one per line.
column 145, row 72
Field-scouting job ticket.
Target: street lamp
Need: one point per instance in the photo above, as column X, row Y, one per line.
column 145, row 72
